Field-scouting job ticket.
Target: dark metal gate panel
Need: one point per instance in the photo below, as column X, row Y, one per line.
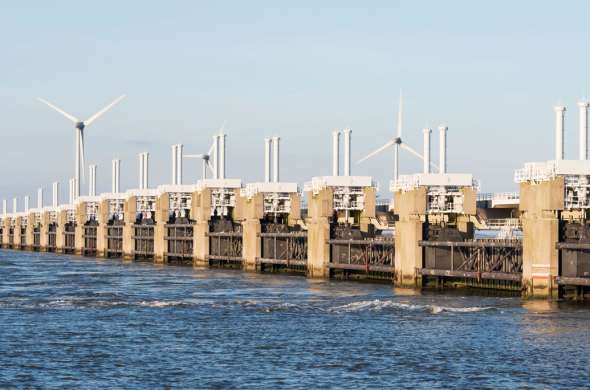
column 36, row 238
column 371, row 254
column 225, row 246
column 23, row 237
column 90, row 233
column 11, row 237
column 288, row 249
column 143, row 241
column 114, row 240
column 493, row 259
column 51, row 237
column 70, row 237
column 179, row 242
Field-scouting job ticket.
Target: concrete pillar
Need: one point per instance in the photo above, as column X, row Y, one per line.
column 30, row 230
column 44, row 232
column 251, row 210
column 320, row 208
column 60, row 240
column 79, row 230
column 201, row 212
column 540, row 205
column 162, row 216
column 129, row 215
column 410, row 207
column 6, row 229
column 368, row 214
column 101, row 229
column 295, row 214
column 17, row 226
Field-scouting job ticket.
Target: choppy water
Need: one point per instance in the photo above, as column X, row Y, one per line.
column 79, row 322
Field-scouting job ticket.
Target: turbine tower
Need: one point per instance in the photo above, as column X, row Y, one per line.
column 397, row 142
column 80, row 126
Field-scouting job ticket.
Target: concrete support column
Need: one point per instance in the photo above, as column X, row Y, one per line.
column 540, row 204
column 17, row 226
column 129, row 215
column 30, row 230
column 60, row 239
column 410, row 206
column 252, row 211
column 6, row 230
column 79, row 230
column 202, row 214
column 101, row 230
column 295, row 214
column 160, row 245
column 368, row 214
column 44, row 232
column 320, row 208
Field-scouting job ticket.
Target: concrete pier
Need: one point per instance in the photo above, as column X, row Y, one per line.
column 540, row 205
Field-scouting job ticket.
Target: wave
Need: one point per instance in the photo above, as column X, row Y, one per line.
column 379, row 305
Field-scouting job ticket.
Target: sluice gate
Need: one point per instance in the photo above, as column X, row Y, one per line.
column 114, row 239
column 52, row 237
column 178, row 226
column 480, row 260
column 366, row 255
column 179, row 241
column 287, row 249
column 143, row 238
column 90, row 236
column 225, row 243
column 574, row 255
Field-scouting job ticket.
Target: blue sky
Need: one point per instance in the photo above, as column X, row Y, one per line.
column 491, row 72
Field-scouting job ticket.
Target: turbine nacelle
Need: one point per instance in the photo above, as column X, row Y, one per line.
column 80, row 125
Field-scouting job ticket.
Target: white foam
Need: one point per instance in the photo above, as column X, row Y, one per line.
column 379, row 305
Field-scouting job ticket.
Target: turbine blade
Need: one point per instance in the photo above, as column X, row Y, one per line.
column 94, row 117
column 411, row 150
column 210, row 152
column 70, row 117
column 376, row 151
column 194, row 155
column 399, row 115
column 82, row 158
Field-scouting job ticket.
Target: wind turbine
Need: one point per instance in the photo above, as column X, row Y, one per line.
column 217, row 152
column 397, row 142
column 206, row 157
column 79, row 128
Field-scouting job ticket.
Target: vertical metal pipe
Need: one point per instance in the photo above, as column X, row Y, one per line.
column 141, row 186
column 118, row 180
column 146, row 165
column 426, row 168
column 14, row 204
column 203, row 169
column 4, row 207
column 40, row 198
column 443, row 149
column 583, row 105
column 78, row 161
column 559, row 126
column 222, row 156
column 347, row 134
column 275, row 152
column 335, row 152
column 26, row 203
column 267, row 142
column 174, row 161
column 179, row 164
column 55, row 200
column 71, row 195
column 215, row 157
